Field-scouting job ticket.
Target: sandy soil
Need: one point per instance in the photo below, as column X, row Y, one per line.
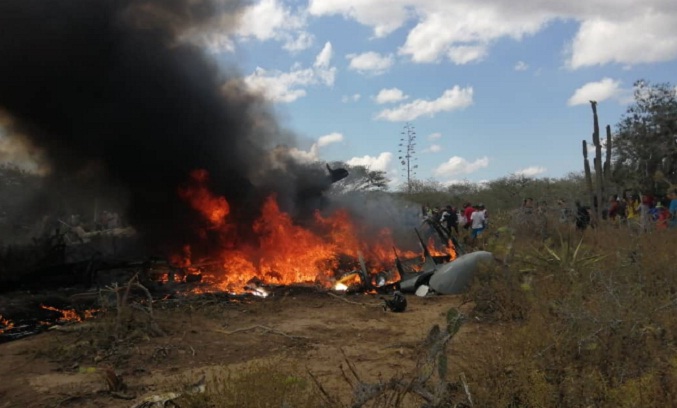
column 306, row 328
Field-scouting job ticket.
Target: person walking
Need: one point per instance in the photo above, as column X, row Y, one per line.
column 478, row 221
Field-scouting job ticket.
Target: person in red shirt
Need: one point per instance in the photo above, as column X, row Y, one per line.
column 467, row 213
column 662, row 214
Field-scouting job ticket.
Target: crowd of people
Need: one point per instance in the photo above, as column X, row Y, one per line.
column 643, row 211
column 471, row 218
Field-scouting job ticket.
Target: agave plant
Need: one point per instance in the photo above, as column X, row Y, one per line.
column 568, row 255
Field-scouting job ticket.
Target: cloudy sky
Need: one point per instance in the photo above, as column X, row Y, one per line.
column 491, row 87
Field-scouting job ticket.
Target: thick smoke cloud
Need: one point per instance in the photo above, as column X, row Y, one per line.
column 115, row 90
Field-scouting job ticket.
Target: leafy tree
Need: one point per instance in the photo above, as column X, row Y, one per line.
column 645, row 148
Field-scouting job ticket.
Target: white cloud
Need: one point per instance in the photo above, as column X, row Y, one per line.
column 351, row 98
column 323, row 59
column 329, row 139
column 302, row 41
column 458, row 165
column 379, row 163
column 596, row 91
column 521, row 66
column 370, row 63
column 645, row 37
column 463, row 30
column 452, row 99
column 626, row 32
column 271, row 20
column 289, row 86
column 433, row 148
column 531, row 171
column 464, row 54
column 390, row 95
column 313, row 154
column 384, row 16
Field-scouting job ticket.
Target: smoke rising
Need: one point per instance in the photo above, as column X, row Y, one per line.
column 116, row 96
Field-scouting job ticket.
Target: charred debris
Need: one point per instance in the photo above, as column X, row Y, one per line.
column 74, row 277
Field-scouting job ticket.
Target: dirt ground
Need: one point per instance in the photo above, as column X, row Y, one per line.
column 306, row 329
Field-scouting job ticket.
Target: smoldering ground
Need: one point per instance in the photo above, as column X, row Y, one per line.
column 123, row 102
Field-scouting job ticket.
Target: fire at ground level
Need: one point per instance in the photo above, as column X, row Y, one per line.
column 333, row 252
column 78, row 290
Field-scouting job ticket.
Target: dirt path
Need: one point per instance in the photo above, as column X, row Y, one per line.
column 310, row 330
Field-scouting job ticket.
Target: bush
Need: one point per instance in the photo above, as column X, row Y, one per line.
column 591, row 322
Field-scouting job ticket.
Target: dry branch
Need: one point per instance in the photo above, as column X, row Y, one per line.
column 433, row 361
column 122, row 304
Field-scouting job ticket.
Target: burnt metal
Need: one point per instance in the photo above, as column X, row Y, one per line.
column 397, row 304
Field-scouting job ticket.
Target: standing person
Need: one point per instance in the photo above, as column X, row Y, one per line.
column 478, row 221
column 483, row 209
column 449, row 219
column 672, row 208
column 662, row 214
column 582, row 216
column 467, row 213
column 563, row 211
column 612, row 212
column 632, row 208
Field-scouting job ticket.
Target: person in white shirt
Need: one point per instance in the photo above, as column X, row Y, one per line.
column 478, row 221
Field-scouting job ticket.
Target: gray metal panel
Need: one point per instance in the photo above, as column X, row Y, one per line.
column 454, row 277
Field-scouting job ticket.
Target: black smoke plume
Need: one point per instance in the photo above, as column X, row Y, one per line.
column 121, row 100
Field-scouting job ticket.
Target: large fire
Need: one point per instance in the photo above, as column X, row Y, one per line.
column 284, row 252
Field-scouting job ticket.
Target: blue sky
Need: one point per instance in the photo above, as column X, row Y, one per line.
column 491, row 88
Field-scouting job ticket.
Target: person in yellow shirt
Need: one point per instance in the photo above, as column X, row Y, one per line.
column 632, row 208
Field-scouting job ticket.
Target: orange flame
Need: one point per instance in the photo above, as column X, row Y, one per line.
column 215, row 209
column 5, row 324
column 284, row 253
column 70, row 315
column 449, row 250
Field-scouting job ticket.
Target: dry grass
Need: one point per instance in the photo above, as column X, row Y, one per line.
column 261, row 384
column 590, row 322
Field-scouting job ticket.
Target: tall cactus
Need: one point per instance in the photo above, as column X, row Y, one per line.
column 607, row 160
column 588, row 174
column 599, row 175
column 602, row 168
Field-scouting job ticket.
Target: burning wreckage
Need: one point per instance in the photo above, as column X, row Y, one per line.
column 122, row 135
column 287, row 255
column 443, row 274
